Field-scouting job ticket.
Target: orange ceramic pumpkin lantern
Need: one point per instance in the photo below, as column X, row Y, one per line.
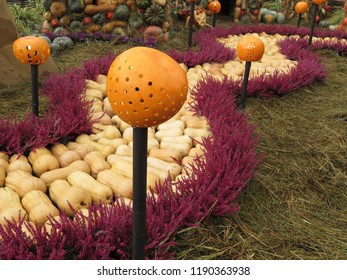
column 31, row 50
column 146, row 87
column 214, row 7
column 301, row 7
column 250, row 49
column 319, row 2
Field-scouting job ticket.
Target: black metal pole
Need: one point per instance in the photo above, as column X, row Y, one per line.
column 191, row 21
column 315, row 11
column 35, row 89
column 139, row 192
column 244, row 85
column 299, row 20
column 214, row 16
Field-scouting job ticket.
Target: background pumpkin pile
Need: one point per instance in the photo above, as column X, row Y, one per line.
column 120, row 17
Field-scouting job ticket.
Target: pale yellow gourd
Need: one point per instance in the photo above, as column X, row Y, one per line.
column 171, row 124
column 64, row 195
column 124, row 201
column 23, row 182
column 19, row 163
column 62, row 173
column 170, row 132
column 187, row 163
column 12, row 214
column 173, row 168
column 101, row 118
column 90, row 84
column 86, row 139
column 58, row 149
column 119, row 123
column 124, row 150
column 42, row 160
column 107, row 108
column 2, row 176
column 101, row 79
column 108, row 132
column 94, row 93
column 197, row 123
column 4, row 156
column 197, row 134
column 81, row 149
column 168, row 155
column 97, row 106
column 97, row 162
column 114, row 143
column 9, row 199
column 4, row 163
column 99, row 192
column 48, row 225
column 124, row 166
column 120, row 185
column 39, row 207
column 68, row 157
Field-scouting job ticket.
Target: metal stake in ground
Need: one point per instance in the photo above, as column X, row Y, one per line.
column 139, row 191
column 314, row 14
column 300, row 8
column 35, row 89
column 33, row 51
column 191, row 23
column 249, row 49
column 144, row 97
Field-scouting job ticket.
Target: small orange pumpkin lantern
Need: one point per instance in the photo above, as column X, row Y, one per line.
column 250, row 49
column 146, row 87
column 214, row 7
column 301, row 7
column 31, row 50
column 319, row 2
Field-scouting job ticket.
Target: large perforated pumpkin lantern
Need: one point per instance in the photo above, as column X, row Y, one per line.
column 146, row 87
column 214, row 7
column 31, row 50
column 250, row 49
column 301, row 7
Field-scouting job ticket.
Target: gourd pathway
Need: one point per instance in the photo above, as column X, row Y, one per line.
column 98, row 167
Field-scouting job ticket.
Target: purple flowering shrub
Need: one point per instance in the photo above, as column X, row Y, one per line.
column 230, row 157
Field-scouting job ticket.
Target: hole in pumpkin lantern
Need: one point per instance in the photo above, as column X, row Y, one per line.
column 126, row 112
column 122, row 103
column 150, row 83
column 142, row 100
column 29, row 56
column 28, row 48
column 166, row 108
column 35, row 53
column 162, row 89
column 156, row 114
column 30, row 61
column 117, row 79
column 137, row 89
column 146, row 119
column 151, row 95
column 146, row 108
column 125, row 91
column 130, row 102
column 135, row 111
column 127, row 79
column 163, row 117
column 120, row 68
column 160, row 102
column 140, row 76
column 115, row 103
column 36, row 62
column 130, row 67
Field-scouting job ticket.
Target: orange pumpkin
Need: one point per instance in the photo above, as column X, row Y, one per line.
column 319, row 2
column 214, row 7
column 250, row 49
column 31, row 50
column 301, row 7
column 146, row 87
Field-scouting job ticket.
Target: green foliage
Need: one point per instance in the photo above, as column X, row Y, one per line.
column 27, row 16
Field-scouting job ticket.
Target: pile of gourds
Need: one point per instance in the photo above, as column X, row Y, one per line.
column 146, row 18
column 96, row 167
